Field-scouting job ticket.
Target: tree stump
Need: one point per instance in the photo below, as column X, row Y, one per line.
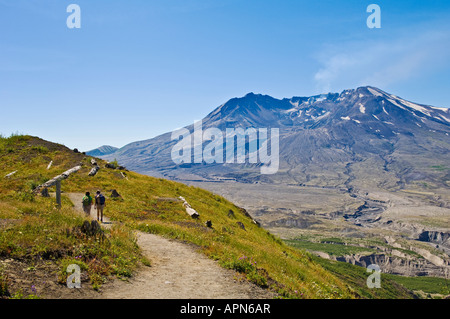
column 115, row 194
column 44, row 192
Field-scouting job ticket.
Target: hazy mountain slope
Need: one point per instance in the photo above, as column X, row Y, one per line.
column 102, row 150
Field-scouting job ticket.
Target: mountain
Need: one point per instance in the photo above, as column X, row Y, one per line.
column 102, row 151
column 326, row 140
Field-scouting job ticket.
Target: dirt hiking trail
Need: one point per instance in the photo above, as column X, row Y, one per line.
column 177, row 271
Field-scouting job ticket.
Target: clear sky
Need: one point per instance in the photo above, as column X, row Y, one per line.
column 139, row 68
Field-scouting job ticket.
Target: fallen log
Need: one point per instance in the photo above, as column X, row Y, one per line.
column 192, row 212
column 10, row 174
column 168, row 199
column 94, row 171
column 54, row 180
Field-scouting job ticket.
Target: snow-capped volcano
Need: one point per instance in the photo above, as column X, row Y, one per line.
column 362, row 105
column 320, row 136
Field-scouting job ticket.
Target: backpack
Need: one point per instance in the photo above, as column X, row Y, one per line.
column 87, row 201
column 101, row 199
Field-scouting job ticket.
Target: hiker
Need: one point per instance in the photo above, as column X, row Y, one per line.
column 100, row 205
column 87, row 203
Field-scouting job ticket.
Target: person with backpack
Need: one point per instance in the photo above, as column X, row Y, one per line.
column 87, row 204
column 100, row 203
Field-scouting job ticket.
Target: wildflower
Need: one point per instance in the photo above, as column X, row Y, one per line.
column 33, row 289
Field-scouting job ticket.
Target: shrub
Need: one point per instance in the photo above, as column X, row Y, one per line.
column 247, row 266
column 25, row 196
column 40, row 149
column 4, row 285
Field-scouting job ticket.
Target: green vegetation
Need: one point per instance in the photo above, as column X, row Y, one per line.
column 4, row 289
column 428, row 285
column 357, row 277
column 114, row 164
column 33, row 230
column 278, row 266
column 440, row 167
column 338, row 249
column 392, row 286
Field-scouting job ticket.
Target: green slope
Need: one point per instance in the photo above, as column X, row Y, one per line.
column 33, row 229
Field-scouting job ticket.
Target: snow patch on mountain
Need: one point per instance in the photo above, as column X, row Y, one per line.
column 440, row 108
column 362, row 108
column 414, row 106
column 376, row 93
column 444, row 118
column 396, row 104
column 291, row 110
column 322, row 116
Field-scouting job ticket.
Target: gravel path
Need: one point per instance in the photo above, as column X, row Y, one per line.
column 177, row 271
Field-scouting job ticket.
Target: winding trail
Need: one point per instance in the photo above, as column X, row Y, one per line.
column 178, row 271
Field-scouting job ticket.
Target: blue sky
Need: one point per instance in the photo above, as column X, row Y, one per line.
column 140, row 68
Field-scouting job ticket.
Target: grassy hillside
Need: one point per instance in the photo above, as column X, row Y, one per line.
column 34, row 231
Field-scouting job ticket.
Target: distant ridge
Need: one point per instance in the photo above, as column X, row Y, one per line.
column 102, row 151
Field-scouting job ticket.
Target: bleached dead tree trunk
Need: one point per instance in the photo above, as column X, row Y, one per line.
column 59, row 178
column 10, row 174
column 57, row 181
column 192, row 212
column 94, row 171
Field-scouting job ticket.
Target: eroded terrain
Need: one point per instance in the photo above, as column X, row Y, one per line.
column 405, row 231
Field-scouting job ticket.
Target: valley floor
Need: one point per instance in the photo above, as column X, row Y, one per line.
column 374, row 226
